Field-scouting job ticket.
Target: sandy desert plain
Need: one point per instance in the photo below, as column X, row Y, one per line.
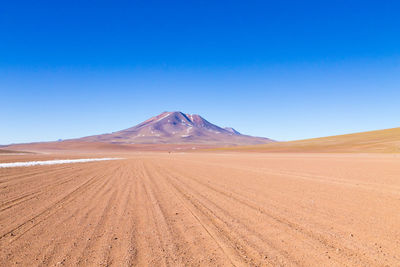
column 201, row 208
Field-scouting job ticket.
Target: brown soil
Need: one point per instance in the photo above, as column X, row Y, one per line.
column 100, row 147
column 157, row 209
column 5, row 151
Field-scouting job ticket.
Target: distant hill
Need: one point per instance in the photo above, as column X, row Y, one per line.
column 177, row 128
column 380, row 141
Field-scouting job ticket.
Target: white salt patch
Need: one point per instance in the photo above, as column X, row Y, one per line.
column 50, row 162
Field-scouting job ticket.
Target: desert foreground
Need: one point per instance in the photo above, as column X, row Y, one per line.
column 189, row 209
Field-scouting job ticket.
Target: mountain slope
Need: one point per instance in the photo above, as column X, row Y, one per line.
column 380, row 141
column 177, row 127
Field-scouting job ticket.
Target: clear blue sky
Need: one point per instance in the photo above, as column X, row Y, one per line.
column 280, row 69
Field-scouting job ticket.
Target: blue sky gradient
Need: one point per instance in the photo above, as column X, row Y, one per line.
column 280, row 69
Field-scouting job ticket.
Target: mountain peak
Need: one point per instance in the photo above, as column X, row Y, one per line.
column 178, row 127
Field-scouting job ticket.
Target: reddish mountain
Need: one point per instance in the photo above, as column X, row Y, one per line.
column 175, row 128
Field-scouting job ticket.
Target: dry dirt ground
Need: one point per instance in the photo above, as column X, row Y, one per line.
column 159, row 209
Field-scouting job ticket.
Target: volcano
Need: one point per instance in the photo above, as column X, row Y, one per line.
column 177, row 128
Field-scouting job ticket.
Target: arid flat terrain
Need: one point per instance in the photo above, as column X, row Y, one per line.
column 218, row 209
column 79, row 147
